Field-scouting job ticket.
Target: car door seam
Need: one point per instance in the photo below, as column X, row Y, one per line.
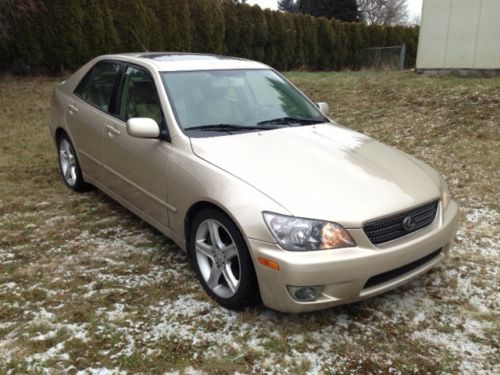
column 141, row 189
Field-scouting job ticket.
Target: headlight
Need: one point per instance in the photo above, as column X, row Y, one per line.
column 445, row 194
column 297, row 234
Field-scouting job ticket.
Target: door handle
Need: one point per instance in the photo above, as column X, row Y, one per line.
column 112, row 131
column 72, row 108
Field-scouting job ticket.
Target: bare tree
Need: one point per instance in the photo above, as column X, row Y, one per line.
column 291, row 6
column 415, row 20
column 383, row 12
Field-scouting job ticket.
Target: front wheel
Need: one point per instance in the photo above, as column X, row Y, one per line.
column 69, row 166
column 222, row 261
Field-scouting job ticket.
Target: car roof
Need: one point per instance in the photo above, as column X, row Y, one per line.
column 178, row 61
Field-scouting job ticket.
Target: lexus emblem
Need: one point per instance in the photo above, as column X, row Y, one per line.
column 409, row 223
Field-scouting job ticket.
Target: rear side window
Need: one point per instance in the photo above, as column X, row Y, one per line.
column 96, row 87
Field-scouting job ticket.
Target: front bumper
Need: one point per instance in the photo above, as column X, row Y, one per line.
column 343, row 273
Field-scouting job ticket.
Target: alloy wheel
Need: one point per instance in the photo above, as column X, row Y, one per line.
column 68, row 162
column 218, row 258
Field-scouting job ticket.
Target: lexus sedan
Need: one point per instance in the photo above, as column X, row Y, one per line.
column 271, row 199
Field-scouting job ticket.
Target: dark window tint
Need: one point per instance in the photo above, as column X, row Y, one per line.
column 138, row 96
column 97, row 86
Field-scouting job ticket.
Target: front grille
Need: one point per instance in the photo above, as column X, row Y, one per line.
column 392, row 274
column 392, row 227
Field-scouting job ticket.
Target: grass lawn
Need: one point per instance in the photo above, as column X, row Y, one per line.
column 85, row 285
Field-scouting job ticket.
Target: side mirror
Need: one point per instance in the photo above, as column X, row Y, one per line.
column 324, row 108
column 143, row 127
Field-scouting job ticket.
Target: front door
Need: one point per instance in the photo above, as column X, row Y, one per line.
column 136, row 168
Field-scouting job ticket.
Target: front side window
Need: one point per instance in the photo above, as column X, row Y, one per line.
column 238, row 98
column 138, row 96
column 96, row 87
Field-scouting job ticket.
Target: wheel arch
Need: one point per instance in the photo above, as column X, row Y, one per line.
column 59, row 133
column 205, row 204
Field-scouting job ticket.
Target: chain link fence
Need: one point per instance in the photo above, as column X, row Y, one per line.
column 385, row 58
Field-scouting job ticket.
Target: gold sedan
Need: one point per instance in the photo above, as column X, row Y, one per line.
column 271, row 199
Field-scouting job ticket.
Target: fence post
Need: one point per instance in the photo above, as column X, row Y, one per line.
column 402, row 56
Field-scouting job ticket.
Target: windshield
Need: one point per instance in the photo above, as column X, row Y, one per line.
column 243, row 100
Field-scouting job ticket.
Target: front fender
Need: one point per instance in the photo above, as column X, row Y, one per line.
column 205, row 182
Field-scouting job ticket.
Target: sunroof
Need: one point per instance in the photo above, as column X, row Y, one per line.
column 179, row 57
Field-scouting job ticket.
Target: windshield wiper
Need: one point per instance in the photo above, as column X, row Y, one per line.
column 229, row 127
column 291, row 120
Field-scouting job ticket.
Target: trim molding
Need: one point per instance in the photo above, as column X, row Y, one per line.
column 141, row 189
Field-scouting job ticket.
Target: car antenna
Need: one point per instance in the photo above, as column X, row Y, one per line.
column 140, row 42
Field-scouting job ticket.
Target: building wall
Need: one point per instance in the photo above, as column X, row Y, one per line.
column 459, row 34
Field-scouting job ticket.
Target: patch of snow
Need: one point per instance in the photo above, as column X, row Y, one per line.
column 117, row 313
column 51, row 353
column 10, row 285
column 473, row 354
column 420, row 317
column 4, row 256
column 101, row 371
column 43, row 316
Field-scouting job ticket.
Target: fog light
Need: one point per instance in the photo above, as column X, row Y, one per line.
column 306, row 293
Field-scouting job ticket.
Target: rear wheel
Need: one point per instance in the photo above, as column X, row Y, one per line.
column 69, row 166
column 222, row 261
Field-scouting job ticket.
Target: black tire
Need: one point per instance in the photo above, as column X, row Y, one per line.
column 247, row 292
column 75, row 181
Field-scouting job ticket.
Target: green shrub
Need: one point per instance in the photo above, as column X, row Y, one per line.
column 280, row 47
column 310, row 40
column 207, row 31
column 56, row 35
column 272, row 40
column 288, row 40
column 181, row 39
column 355, row 46
column 154, row 40
column 376, row 36
column 26, row 52
column 232, row 29
column 259, row 35
column 246, row 26
column 300, row 59
column 326, row 41
column 131, row 25
column 341, row 47
column 110, row 34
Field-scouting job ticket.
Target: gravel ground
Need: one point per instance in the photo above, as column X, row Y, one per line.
column 87, row 288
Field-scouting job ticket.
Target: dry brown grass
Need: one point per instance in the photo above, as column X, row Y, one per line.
column 85, row 285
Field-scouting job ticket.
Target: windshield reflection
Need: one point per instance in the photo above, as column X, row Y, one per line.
column 236, row 97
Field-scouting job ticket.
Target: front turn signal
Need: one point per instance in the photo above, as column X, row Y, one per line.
column 269, row 263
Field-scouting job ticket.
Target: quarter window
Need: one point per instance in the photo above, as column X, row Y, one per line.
column 97, row 86
column 138, row 96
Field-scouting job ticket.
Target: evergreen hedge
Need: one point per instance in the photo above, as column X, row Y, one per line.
column 54, row 36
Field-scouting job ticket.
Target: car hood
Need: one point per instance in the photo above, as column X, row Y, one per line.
column 323, row 171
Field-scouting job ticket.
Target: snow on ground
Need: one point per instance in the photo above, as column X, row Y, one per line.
column 447, row 320
column 87, row 288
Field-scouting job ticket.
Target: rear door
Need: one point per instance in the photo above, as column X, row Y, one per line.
column 88, row 111
column 135, row 168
